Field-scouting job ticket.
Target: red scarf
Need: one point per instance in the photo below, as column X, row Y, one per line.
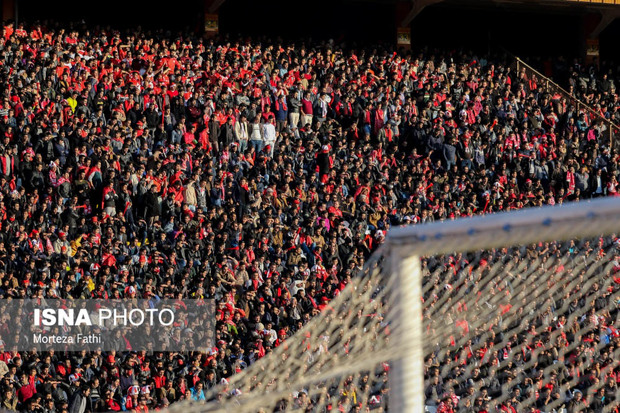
column 284, row 108
column 7, row 167
column 570, row 177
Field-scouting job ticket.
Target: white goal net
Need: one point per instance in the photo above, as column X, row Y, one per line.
column 512, row 312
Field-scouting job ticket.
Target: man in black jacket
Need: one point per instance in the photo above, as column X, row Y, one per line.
column 80, row 400
column 227, row 134
column 45, row 147
column 152, row 210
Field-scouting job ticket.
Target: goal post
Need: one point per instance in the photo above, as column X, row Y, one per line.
column 407, row 377
column 492, row 309
column 581, row 220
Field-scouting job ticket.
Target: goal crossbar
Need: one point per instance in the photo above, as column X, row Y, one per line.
column 549, row 223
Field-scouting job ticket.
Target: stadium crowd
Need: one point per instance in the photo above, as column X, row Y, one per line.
column 510, row 345
column 259, row 175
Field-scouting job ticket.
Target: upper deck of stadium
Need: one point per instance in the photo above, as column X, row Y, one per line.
column 571, row 25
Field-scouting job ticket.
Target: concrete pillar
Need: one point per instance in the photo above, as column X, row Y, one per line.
column 211, row 17
column 405, row 13
column 8, row 10
column 212, row 25
column 589, row 42
column 403, row 30
column 593, row 25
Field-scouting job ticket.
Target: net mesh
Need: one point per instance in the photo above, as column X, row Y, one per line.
column 320, row 368
column 522, row 327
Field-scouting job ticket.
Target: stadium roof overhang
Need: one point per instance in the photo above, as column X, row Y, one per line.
column 212, row 6
column 608, row 9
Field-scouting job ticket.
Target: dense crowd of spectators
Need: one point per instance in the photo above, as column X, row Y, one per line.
column 258, row 175
column 538, row 331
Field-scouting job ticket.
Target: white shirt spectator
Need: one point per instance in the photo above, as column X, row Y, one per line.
column 269, row 133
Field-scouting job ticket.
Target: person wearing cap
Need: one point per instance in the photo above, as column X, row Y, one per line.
column 62, row 242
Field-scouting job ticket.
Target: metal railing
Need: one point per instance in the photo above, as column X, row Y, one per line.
column 612, row 2
column 553, row 88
